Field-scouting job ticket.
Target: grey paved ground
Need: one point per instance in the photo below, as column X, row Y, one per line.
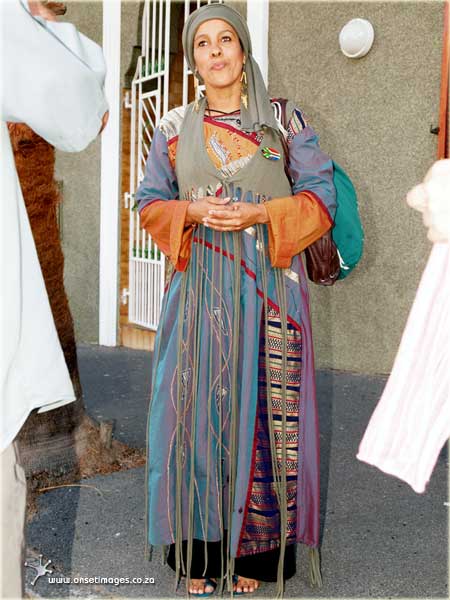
column 380, row 539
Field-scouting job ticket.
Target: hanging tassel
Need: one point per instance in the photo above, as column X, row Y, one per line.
column 244, row 87
column 149, row 552
column 177, row 585
column 220, row 586
column 315, row 576
column 196, row 91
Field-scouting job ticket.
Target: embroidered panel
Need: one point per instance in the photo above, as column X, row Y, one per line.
column 260, row 531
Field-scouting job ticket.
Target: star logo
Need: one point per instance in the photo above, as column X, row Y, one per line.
column 39, row 567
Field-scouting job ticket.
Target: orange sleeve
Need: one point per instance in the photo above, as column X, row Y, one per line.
column 164, row 220
column 295, row 222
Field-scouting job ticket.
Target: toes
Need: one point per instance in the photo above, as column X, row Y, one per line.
column 246, row 586
column 201, row 587
column 195, row 589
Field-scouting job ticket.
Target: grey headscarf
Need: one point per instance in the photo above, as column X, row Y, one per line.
column 259, row 112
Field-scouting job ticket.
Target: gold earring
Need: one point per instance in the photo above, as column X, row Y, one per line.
column 244, row 87
column 196, row 104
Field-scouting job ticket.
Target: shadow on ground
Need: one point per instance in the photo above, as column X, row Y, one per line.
column 379, row 538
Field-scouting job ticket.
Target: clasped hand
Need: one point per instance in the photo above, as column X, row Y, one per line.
column 223, row 215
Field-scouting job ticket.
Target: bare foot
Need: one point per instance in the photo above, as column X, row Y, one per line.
column 243, row 585
column 201, row 586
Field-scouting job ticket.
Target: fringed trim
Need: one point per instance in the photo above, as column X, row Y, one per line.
column 315, row 576
column 149, row 552
column 193, row 280
column 220, row 585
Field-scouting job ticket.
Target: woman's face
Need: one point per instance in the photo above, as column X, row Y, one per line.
column 218, row 54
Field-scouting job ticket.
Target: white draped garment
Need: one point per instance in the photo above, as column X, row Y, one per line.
column 51, row 79
column 411, row 422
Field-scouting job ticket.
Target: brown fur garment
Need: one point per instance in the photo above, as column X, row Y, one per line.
column 35, row 163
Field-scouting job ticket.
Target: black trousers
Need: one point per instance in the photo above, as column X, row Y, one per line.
column 262, row 566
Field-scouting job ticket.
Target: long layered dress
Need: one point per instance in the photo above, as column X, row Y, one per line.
column 233, row 432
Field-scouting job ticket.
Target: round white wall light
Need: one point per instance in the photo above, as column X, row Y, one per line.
column 356, row 38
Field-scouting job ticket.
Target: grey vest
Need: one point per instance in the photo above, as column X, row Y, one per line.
column 196, row 173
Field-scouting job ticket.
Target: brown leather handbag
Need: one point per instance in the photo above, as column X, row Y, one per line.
column 322, row 258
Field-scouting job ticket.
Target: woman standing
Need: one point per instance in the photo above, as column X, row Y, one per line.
column 233, row 462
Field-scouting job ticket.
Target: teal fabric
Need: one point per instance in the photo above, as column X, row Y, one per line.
column 348, row 233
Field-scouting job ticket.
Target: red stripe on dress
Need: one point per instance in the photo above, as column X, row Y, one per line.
column 249, row 136
column 251, row 274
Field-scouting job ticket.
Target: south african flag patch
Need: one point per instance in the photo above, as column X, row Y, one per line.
column 270, row 153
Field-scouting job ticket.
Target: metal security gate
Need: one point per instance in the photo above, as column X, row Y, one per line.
column 149, row 102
